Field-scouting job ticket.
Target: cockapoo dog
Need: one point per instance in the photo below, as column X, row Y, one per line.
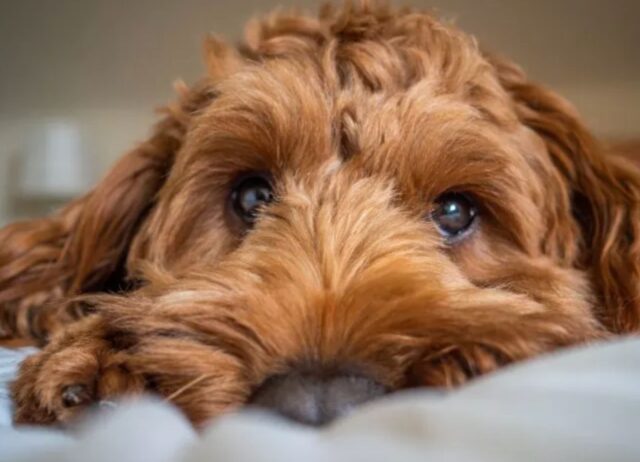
column 343, row 207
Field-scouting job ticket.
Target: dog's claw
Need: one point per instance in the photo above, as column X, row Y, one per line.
column 75, row 395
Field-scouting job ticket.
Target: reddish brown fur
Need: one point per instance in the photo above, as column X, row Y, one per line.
column 363, row 116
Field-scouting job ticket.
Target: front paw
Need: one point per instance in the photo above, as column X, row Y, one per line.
column 76, row 370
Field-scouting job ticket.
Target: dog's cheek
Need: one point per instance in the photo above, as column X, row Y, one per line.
column 186, row 228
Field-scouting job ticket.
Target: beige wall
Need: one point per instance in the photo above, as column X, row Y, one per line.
column 106, row 63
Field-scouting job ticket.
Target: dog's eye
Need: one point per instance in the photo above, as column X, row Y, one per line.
column 454, row 214
column 249, row 195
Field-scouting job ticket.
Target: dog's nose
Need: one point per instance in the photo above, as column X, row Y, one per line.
column 314, row 399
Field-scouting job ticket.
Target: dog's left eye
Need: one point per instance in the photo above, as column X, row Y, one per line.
column 249, row 195
column 454, row 214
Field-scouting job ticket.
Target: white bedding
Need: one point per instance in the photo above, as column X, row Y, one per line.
column 579, row 405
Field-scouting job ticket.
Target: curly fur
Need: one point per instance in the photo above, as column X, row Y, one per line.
column 363, row 115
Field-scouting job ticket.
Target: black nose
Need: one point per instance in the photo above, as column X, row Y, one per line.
column 315, row 399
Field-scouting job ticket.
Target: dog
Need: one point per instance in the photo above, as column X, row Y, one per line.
column 345, row 206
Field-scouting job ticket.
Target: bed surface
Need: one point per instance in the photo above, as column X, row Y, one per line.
column 577, row 405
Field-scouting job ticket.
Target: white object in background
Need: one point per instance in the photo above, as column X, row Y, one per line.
column 53, row 164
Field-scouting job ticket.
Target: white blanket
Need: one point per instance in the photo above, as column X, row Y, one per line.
column 578, row 405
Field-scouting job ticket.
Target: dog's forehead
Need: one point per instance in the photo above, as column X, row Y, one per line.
column 305, row 113
column 289, row 105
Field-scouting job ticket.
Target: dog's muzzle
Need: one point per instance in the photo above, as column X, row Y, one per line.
column 315, row 399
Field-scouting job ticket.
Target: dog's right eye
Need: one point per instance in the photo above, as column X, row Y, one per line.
column 249, row 195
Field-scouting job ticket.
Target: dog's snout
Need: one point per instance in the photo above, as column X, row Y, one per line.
column 314, row 399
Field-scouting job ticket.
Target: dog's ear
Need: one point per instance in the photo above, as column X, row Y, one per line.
column 604, row 193
column 83, row 247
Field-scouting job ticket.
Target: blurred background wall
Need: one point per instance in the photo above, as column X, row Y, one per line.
column 88, row 73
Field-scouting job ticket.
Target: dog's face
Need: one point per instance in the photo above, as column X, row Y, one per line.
column 364, row 196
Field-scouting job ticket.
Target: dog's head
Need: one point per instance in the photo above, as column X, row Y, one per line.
column 360, row 202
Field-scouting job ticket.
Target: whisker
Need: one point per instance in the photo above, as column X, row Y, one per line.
column 438, row 354
column 186, row 387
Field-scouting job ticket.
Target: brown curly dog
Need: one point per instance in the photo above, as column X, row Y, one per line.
column 345, row 206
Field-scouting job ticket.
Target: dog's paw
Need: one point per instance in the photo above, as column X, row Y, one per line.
column 74, row 372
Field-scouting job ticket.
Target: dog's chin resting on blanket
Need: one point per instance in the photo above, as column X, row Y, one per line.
column 343, row 206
